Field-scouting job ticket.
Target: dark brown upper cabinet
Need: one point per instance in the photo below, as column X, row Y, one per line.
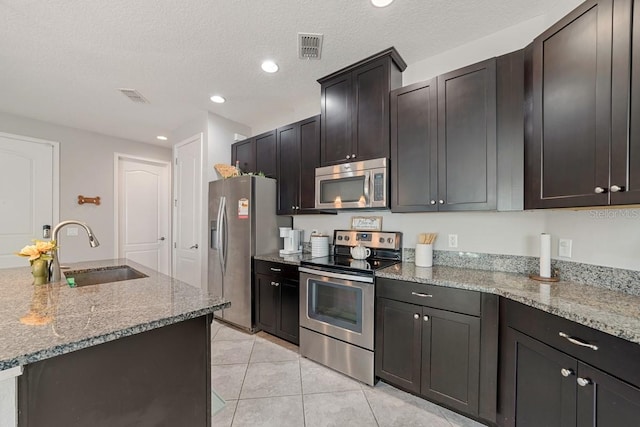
column 244, row 152
column 571, row 158
column 266, row 160
column 457, row 140
column 355, row 108
column 467, row 138
column 298, row 152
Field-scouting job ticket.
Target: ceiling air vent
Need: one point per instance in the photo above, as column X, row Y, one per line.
column 309, row 45
column 134, row 95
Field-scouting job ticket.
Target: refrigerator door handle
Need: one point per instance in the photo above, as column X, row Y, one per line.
column 223, row 234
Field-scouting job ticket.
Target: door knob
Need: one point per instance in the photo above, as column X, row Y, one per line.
column 162, row 238
column 194, row 246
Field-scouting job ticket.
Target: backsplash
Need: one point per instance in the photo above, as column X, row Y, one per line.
column 616, row 279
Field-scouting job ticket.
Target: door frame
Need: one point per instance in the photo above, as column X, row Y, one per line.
column 55, row 181
column 202, row 217
column 116, row 199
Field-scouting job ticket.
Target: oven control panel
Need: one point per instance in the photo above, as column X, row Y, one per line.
column 369, row 239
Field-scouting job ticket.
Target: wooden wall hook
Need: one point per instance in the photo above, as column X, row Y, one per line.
column 95, row 200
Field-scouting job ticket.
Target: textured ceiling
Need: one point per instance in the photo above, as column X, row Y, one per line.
column 62, row 60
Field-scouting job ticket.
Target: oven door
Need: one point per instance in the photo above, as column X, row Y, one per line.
column 338, row 305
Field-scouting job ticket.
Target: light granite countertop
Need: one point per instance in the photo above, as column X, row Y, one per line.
column 39, row 322
column 615, row 313
column 284, row 259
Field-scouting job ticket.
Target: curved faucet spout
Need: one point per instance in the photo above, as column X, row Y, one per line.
column 56, row 274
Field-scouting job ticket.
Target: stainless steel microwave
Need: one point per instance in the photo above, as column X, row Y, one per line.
column 355, row 185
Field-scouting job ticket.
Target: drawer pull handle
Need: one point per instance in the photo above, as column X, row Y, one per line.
column 583, row 382
column 577, row 341
column 275, row 269
column 421, row 295
column 566, row 372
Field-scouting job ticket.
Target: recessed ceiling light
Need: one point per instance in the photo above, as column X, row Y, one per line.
column 269, row 67
column 381, row 3
column 162, row 137
column 217, row 99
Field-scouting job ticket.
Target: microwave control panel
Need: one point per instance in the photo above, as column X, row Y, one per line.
column 378, row 187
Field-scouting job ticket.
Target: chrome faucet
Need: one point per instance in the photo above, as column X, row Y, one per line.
column 56, row 274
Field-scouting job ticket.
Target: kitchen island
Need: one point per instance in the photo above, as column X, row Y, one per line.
column 133, row 352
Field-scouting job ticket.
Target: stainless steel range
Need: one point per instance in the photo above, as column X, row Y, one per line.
column 337, row 295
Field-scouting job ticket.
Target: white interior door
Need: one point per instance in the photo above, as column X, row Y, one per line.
column 187, row 245
column 143, row 213
column 28, row 193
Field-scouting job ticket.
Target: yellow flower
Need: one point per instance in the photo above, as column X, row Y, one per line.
column 45, row 246
column 31, row 251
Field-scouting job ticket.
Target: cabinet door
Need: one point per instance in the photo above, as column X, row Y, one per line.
column 414, row 150
column 567, row 157
column 542, row 395
column 398, row 343
column 309, row 161
column 266, row 161
column 467, row 138
column 244, row 153
column 451, row 359
column 288, row 169
column 605, row 401
column 336, row 106
column 266, row 312
column 625, row 129
column 371, row 111
column 288, row 312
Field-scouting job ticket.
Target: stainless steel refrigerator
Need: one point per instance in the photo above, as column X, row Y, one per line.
column 242, row 223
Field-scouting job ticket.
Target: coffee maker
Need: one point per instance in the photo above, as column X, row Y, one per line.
column 292, row 240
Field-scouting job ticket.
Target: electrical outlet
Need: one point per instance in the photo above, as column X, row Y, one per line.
column 72, row 231
column 564, row 248
column 453, row 240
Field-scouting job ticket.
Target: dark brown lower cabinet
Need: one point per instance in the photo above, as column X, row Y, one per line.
column 547, row 386
column 435, row 352
column 161, row 377
column 277, row 290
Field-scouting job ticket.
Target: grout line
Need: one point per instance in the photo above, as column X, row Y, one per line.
column 304, row 416
column 370, row 407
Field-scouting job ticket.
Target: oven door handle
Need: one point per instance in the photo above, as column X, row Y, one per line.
column 333, row 275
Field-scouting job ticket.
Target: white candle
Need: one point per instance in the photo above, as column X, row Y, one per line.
column 545, row 255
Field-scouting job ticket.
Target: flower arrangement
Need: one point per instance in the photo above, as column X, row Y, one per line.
column 40, row 250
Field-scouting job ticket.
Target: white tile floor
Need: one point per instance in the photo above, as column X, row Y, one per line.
column 266, row 383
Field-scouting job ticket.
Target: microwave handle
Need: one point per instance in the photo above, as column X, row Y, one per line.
column 367, row 187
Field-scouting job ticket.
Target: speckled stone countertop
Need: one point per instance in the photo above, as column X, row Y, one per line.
column 39, row 322
column 613, row 312
column 285, row 259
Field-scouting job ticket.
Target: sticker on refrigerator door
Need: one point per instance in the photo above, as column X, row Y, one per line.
column 243, row 208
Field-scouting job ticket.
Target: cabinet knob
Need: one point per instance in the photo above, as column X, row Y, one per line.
column 353, row 156
column 600, row 190
column 616, row 188
column 432, row 202
column 297, row 207
column 566, row 372
column 416, row 316
column 425, row 318
column 293, row 207
column 275, row 284
column 348, row 157
column 583, row 382
column 441, row 201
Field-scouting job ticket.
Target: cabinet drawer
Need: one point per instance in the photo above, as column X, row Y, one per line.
column 458, row 300
column 276, row 269
column 614, row 355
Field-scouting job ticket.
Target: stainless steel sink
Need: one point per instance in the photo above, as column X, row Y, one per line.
column 96, row 276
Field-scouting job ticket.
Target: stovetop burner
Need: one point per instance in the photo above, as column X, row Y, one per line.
column 386, row 250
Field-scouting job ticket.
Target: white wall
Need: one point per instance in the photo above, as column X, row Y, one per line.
column 86, row 168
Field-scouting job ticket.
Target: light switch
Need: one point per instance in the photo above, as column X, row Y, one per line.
column 564, row 248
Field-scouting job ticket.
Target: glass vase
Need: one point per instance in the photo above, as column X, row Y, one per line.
column 40, row 271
